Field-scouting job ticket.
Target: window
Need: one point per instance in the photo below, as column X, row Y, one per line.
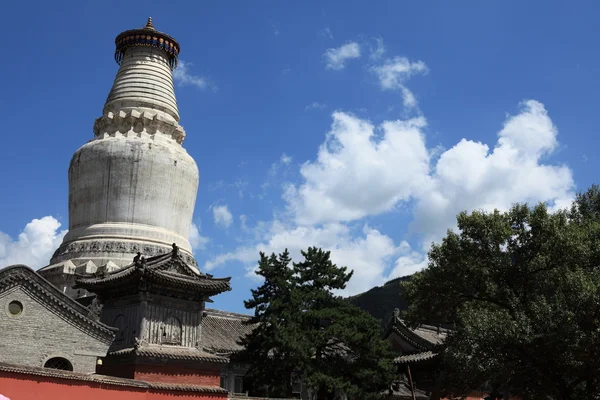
column 15, row 308
column 172, row 331
column 59, row 363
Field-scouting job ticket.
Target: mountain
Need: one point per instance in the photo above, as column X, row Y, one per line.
column 381, row 301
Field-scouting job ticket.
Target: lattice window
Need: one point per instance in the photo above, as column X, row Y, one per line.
column 59, row 363
column 172, row 331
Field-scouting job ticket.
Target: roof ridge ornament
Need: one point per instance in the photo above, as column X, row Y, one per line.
column 149, row 24
column 175, row 251
column 139, row 261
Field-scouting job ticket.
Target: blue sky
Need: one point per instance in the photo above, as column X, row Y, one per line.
column 358, row 126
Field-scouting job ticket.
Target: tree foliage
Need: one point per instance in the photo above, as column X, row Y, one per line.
column 304, row 331
column 522, row 290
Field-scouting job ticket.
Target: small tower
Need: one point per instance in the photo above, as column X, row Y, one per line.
column 133, row 187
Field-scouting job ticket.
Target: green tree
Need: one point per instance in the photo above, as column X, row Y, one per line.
column 522, row 290
column 271, row 348
column 313, row 334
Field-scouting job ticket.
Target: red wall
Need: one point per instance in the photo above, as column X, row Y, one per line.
column 27, row 387
column 169, row 374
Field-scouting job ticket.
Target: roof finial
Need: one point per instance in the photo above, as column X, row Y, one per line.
column 149, row 24
column 175, row 249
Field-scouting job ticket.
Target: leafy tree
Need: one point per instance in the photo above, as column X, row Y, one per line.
column 305, row 330
column 522, row 289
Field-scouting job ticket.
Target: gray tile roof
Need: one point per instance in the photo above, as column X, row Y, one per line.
column 221, row 330
column 108, row 380
column 171, row 352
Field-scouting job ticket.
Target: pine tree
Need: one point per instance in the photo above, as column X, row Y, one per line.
column 270, row 348
column 312, row 333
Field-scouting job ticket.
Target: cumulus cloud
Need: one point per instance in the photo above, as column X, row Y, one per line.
column 222, row 216
column 389, row 166
column 393, row 74
column 197, row 241
column 470, row 176
column 34, row 245
column 336, row 58
column 183, row 77
column 384, row 165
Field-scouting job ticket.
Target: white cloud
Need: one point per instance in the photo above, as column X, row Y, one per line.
column 197, row 241
column 469, row 176
column 390, row 166
column 378, row 50
column 393, row 73
column 183, row 77
column 222, row 216
column 336, row 58
column 315, row 105
column 34, row 246
column 384, row 165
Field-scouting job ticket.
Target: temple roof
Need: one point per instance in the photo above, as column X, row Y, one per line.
column 163, row 272
column 427, row 340
column 55, row 300
column 221, row 331
column 170, row 352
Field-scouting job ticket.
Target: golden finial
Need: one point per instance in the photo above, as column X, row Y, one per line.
column 149, row 24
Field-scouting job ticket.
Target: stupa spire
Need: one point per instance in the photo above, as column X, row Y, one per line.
column 149, row 24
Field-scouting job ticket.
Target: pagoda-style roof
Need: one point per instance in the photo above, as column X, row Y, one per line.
column 163, row 274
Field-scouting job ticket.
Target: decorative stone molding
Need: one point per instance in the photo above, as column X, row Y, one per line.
column 83, row 249
column 137, row 123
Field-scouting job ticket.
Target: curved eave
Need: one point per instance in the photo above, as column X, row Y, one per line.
column 415, row 357
column 205, row 286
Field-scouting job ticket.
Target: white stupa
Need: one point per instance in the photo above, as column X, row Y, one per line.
column 133, row 187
